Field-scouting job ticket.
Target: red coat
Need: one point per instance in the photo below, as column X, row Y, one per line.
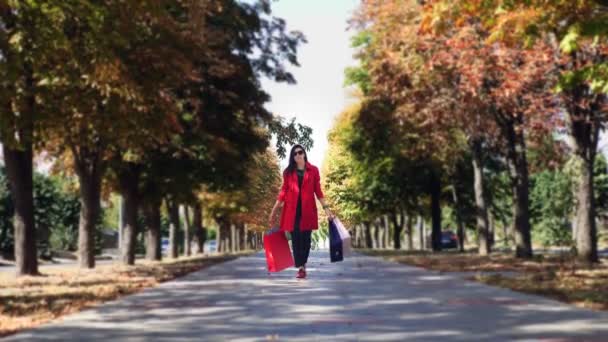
column 311, row 185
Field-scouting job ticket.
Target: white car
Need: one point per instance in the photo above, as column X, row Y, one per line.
column 210, row 246
column 164, row 245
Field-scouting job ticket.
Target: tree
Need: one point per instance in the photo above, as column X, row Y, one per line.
column 433, row 65
column 223, row 120
column 97, row 126
column 578, row 32
column 369, row 172
column 397, row 58
column 31, row 42
column 55, row 213
column 36, row 44
column 551, row 206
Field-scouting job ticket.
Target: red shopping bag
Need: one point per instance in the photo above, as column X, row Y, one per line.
column 278, row 255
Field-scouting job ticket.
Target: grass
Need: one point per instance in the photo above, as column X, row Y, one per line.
column 557, row 276
column 585, row 287
column 27, row 302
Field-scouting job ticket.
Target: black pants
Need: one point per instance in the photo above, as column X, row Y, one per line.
column 300, row 243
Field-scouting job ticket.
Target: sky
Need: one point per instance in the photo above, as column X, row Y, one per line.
column 319, row 94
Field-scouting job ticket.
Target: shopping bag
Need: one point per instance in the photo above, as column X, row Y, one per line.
column 345, row 237
column 335, row 243
column 278, row 254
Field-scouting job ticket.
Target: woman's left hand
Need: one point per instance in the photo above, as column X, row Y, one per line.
column 330, row 215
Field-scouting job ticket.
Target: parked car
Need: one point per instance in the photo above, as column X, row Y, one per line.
column 449, row 240
column 164, row 245
column 210, row 246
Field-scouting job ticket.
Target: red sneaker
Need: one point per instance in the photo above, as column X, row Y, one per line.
column 301, row 273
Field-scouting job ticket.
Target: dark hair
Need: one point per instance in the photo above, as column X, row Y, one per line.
column 292, row 160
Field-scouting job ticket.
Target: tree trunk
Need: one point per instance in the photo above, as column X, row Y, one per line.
column 507, row 236
column 200, row 232
column 361, row 235
column 586, row 237
column 573, row 231
column 387, row 232
column 173, row 213
column 457, row 210
column 249, row 244
column 90, row 196
column 376, row 235
column 89, row 170
column 227, row 234
column 586, row 117
column 19, row 170
column 219, row 236
column 398, row 228
column 492, row 230
column 237, row 237
column 233, row 237
column 409, row 231
column 380, row 233
column 128, row 178
column 223, row 234
column 121, row 222
column 256, row 241
column 421, row 231
column 260, row 239
column 187, row 231
column 369, row 243
column 43, row 240
column 518, row 170
column 153, row 235
column 249, row 241
column 3, row 238
column 243, row 236
column 481, row 209
column 435, row 188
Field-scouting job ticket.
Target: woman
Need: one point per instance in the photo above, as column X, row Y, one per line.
column 301, row 181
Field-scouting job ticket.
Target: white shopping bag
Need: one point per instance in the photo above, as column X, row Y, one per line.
column 344, row 236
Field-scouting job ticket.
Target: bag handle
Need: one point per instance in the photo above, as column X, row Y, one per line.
column 272, row 230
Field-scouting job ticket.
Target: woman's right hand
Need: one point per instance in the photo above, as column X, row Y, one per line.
column 271, row 217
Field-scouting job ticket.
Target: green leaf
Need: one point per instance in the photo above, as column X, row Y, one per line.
column 569, row 42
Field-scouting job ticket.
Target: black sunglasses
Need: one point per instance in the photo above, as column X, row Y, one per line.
column 298, row 152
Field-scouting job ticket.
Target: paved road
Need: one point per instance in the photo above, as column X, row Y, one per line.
column 363, row 298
